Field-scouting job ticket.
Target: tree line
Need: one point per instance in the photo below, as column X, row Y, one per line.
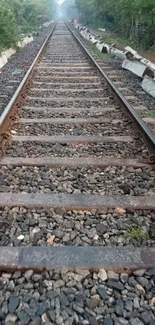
column 22, row 16
column 134, row 19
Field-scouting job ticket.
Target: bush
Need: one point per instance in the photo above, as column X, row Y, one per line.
column 8, row 27
column 134, row 19
column 21, row 16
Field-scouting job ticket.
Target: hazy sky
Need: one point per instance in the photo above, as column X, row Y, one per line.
column 60, row 1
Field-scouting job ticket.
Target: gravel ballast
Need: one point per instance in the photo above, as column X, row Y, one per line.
column 22, row 61
column 103, row 181
column 120, row 128
column 70, row 102
column 62, row 297
column 28, row 113
column 105, row 227
column 120, row 150
column 68, row 93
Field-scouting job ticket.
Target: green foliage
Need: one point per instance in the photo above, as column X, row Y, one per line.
column 22, row 16
column 8, row 26
column 136, row 233
column 134, row 19
column 98, row 54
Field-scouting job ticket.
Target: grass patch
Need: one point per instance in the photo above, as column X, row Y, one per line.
column 150, row 113
column 98, row 53
column 136, row 233
column 119, row 42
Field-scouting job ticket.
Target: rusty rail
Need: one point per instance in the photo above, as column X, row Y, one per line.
column 13, row 107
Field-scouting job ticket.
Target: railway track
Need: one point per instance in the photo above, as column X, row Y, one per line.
column 77, row 192
column 125, row 82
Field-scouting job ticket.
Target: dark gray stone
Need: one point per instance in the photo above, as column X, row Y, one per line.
column 36, row 321
column 17, row 275
column 107, row 321
column 135, row 314
column 89, row 222
column 27, row 297
column 2, row 181
column 152, row 231
column 129, row 305
column 33, row 222
column 143, row 281
column 152, row 322
column 102, row 292
column 52, row 294
column 64, row 300
column 43, row 307
column 119, row 307
column 1, row 316
column 71, row 298
column 33, row 308
column 101, row 229
column 124, row 277
column 23, row 317
column 80, row 297
column 146, row 317
column 153, row 290
column 51, row 315
column 69, row 224
column 16, row 242
column 78, row 309
column 135, row 321
column 150, row 272
column 115, row 285
column 92, row 320
column 13, row 304
column 132, row 282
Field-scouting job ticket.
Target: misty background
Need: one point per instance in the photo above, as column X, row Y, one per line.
column 67, row 9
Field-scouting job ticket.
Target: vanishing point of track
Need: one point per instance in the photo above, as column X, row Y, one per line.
column 66, row 128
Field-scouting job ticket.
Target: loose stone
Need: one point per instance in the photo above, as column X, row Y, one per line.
column 107, row 321
column 92, row 320
column 28, row 274
column 139, row 272
column 102, row 291
column 135, row 321
column 119, row 307
column 113, row 276
column 10, row 319
column 13, row 304
column 146, row 317
column 139, row 289
column 94, row 302
column 102, row 275
column 115, row 285
column 124, row 277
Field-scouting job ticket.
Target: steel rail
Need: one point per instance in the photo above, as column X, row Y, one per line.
column 9, row 111
column 141, row 126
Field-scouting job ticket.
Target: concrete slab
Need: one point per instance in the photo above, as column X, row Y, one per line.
column 72, row 139
column 72, row 162
column 137, row 68
column 76, row 201
column 92, row 258
column 148, row 84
